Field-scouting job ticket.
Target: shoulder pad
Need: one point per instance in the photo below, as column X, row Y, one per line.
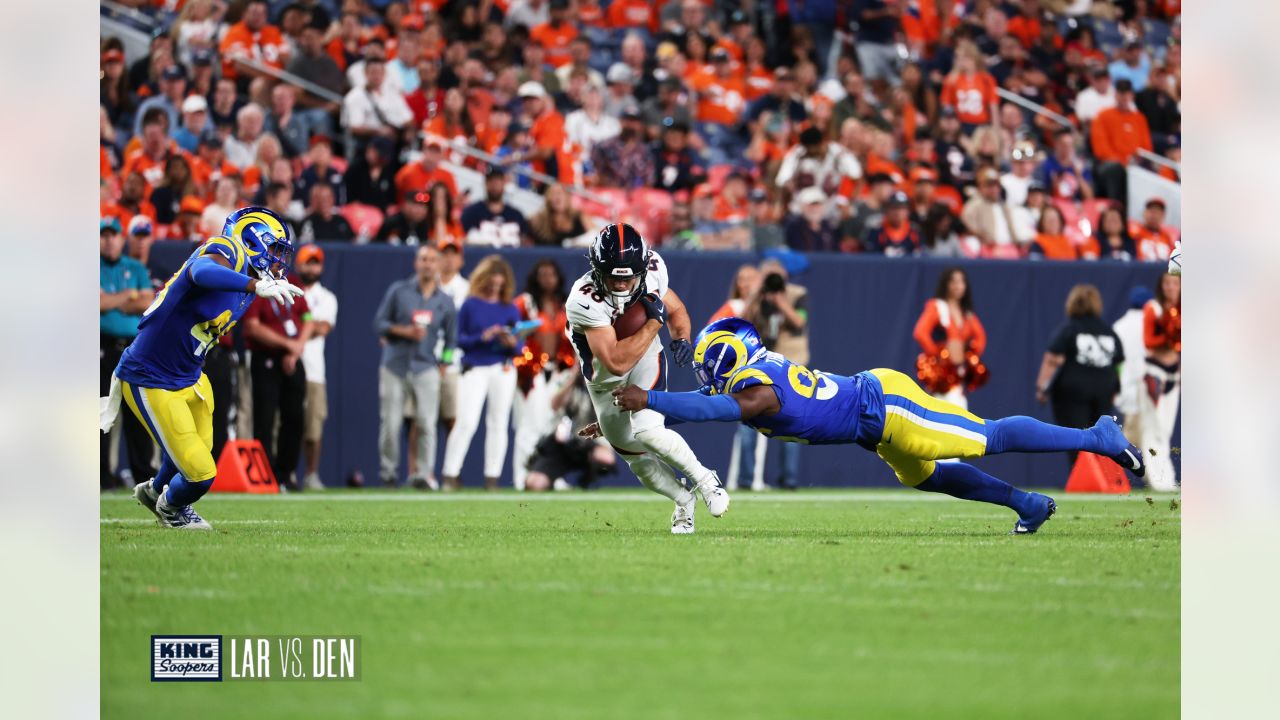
column 226, row 248
column 746, row 377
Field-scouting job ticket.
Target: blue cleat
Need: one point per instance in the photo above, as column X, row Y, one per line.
column 1045, row 508
column 1127, row 455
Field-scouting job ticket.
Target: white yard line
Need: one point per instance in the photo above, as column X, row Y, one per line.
column 819, row 496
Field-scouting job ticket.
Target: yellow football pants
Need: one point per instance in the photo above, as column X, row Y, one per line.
column 920, row 429
column 181, row 422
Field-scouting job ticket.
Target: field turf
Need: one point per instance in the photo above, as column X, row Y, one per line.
column 870, row 604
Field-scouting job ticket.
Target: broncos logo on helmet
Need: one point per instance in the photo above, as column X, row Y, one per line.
column 722, row 348
column 265, row 238
column 619, row 252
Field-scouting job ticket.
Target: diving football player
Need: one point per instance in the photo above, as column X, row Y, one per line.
column 159, row 376
column 881, row 410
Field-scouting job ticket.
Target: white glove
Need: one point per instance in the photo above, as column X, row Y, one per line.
column 1175, row 260
column 282, row 291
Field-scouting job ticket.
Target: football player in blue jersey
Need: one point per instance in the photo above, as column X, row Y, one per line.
column 881, row 410
column 159, row 376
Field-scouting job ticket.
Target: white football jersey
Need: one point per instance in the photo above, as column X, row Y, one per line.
column 587, row 307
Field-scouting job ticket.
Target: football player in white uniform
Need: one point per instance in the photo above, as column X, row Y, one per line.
column 625, row 272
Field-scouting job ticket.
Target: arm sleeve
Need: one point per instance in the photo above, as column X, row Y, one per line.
column 695, row 407
column 207, row 273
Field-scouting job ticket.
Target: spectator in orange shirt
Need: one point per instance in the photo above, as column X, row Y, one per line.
column 1117, row 134
column 1158, row 405
column 721, row 95
column 253, row 39
column 156, row 147
column 1026, row 25
column 969, row 90
column 731, row 202
column 425, row 172
column 633, row 14
column 1153, row 240
column 547, row 131
column 556, row 34
column 132, row 200
column 209, row 166
column 344, row 48
column 1051, row 242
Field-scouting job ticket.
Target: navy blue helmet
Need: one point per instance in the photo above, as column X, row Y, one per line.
column 619, row 252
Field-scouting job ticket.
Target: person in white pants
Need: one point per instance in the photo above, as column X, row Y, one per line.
column 544, row 363
column 485, row 334
column 624, row 274
column 1132, row 373
column 1158, row 403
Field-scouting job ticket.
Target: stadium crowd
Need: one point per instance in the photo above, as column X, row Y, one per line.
column 822, row 126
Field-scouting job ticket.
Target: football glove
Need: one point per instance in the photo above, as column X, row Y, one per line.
column 653, row 308
column 682, row 352
column 282, row 291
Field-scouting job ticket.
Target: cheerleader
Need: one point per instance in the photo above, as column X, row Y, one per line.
column 1158, row 403
column 952, row 339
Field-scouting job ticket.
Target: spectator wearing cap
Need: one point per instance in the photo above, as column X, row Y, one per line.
column 579, row 59
column 546, row 130
column 255, row 40
column 409, row 226
column 1117, row 134
column 492, row 221
column 991, row 219
column 324, row 314
column 210, row 165
column 818, row 162
column 370, row 178
column 781, row 100
column 809, row 230
column 113, row 89
column 124, row 292
column 195, row 121
column 425, row 172
column 924, row 181
column 313, row 64
column 186, row 225
column 242, row 147
column 173, row 88
column 556, row 34
column 1099, row 96
column 620, row 82
column 322, row 224
column 676, row 167
column 1022, row 165
column 878, row 26
column 203, row 81
column 407, row 53
column 320, row 170
column 868, row 212
column 1153, row 239
column 624, row 161
column 897, row 235
column 528, row 13
column 668, row 103
column 1132, row 65
column 276, row 335
column 1063, row 173
column 375, row 110
column 589, row 125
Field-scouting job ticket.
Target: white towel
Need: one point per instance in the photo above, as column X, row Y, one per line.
column 109, row 406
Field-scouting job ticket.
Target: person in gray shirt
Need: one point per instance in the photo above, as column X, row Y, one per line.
column 414, row 314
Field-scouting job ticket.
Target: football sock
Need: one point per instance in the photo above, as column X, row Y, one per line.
column 658, row 477
column 969, row 483
column 672, row 449
column 1026, row 434
column 184, row 492
column 165, row 474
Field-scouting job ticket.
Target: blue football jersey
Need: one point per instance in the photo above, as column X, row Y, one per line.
column 817, row 408
column 183, row 322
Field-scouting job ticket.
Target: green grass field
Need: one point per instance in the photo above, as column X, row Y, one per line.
column 869, row 604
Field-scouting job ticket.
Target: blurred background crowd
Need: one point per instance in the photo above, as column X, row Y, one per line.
column 967, row 128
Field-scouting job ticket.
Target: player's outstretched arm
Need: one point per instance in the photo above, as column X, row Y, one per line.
column 696, row 407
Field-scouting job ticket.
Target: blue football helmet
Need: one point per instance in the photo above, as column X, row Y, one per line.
column 722, row 348
column 266, row 238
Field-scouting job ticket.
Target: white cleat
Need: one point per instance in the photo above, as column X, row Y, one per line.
column 682, row 519
column 714, row 496
column 312, row 482
column 146, row 497
column 179, row 518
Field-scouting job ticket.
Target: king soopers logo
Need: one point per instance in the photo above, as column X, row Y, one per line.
column 191, row 658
